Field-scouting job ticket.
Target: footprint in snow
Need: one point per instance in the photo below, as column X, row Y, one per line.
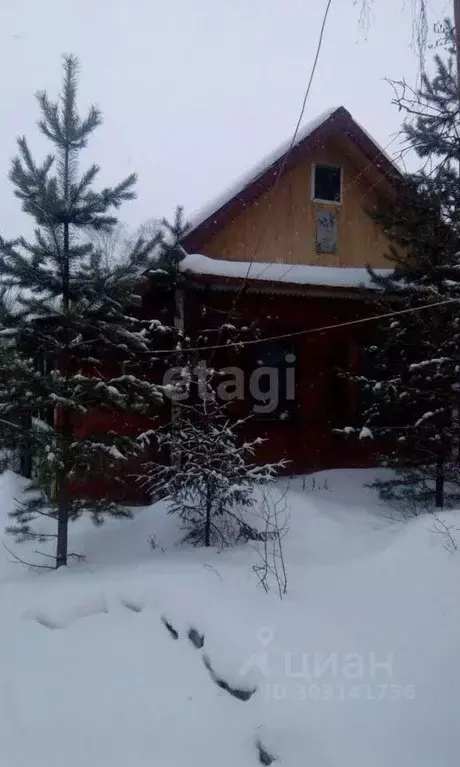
column 241, row 693
column 265, row 757
column 196, row 638
column 173, row 632
column 135, row 607
column 53, row 623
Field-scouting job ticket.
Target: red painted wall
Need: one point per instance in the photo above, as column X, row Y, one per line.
column 323, row 402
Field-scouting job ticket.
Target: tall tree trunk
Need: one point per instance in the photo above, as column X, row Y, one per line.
column 63, row 521
column 63, row 499
column 25, row 458
column 65, row 424
column 439, row 493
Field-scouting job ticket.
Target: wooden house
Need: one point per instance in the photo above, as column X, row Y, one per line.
column 287, row 249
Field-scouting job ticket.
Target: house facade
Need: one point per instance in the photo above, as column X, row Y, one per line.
column 285, row 253
column 287, row 250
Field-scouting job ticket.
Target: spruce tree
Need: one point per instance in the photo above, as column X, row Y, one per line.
column 411, row 382
column 204, row 467
column 75, row 340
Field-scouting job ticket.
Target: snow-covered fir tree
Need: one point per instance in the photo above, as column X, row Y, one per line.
column 74, row 341
column 204, row 468
column 411, row 384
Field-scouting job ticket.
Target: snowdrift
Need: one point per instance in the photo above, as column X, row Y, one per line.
column 172, row 656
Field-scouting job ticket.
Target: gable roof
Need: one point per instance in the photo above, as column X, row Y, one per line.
column 259, row 179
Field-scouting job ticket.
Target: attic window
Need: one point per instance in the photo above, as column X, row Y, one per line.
column 327, row 183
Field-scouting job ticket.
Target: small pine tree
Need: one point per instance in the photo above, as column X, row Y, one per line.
column 81, row 345
column 411, row 386
column 207, row 473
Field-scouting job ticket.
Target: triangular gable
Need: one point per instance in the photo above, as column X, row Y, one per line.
column 285, row 157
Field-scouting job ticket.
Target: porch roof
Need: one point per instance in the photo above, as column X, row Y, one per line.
column 279, row 276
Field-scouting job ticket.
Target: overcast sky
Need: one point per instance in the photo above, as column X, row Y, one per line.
column 194, row 92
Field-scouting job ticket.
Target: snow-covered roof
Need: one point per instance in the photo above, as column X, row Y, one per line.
column 238, row 189
column 257, row 170
column 378, row 146
column 294, row 274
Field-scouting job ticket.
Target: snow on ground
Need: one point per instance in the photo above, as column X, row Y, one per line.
column 357, row 666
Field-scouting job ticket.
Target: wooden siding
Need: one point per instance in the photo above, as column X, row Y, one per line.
column 281, row 225
column 324, row 401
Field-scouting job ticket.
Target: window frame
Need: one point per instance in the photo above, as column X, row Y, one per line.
column 315, row 165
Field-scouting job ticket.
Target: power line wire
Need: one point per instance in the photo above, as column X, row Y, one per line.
column 291, row 266
column 300, row 118
column 290, row 148
column 308, row 331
